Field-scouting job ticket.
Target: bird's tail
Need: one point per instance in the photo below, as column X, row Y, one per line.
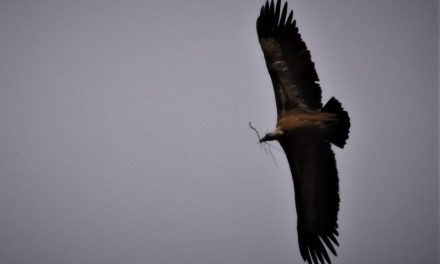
column 340, row 132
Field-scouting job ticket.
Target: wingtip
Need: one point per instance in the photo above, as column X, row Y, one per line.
column 272, row 17
column 289, row 18
column 282, row 22
column 313, row 246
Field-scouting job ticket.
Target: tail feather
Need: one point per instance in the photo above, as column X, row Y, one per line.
column 340, row 133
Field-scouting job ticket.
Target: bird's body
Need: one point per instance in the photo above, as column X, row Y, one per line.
column 313, row 121
column 305, row 130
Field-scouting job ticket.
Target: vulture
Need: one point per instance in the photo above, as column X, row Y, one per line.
column 305, row 129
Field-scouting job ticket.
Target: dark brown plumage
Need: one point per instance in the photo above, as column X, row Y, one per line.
column 305, row 130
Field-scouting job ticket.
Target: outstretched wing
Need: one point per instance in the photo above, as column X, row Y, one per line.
column 315, row 178
column 288, row 60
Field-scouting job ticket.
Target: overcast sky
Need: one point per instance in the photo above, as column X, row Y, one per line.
column 124, row 132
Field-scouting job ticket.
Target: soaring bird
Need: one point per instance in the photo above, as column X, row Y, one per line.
column 305, row 130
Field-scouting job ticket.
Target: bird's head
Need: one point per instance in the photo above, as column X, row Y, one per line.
column 274, row 135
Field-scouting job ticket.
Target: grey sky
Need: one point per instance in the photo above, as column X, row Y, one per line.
column 124, row 131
